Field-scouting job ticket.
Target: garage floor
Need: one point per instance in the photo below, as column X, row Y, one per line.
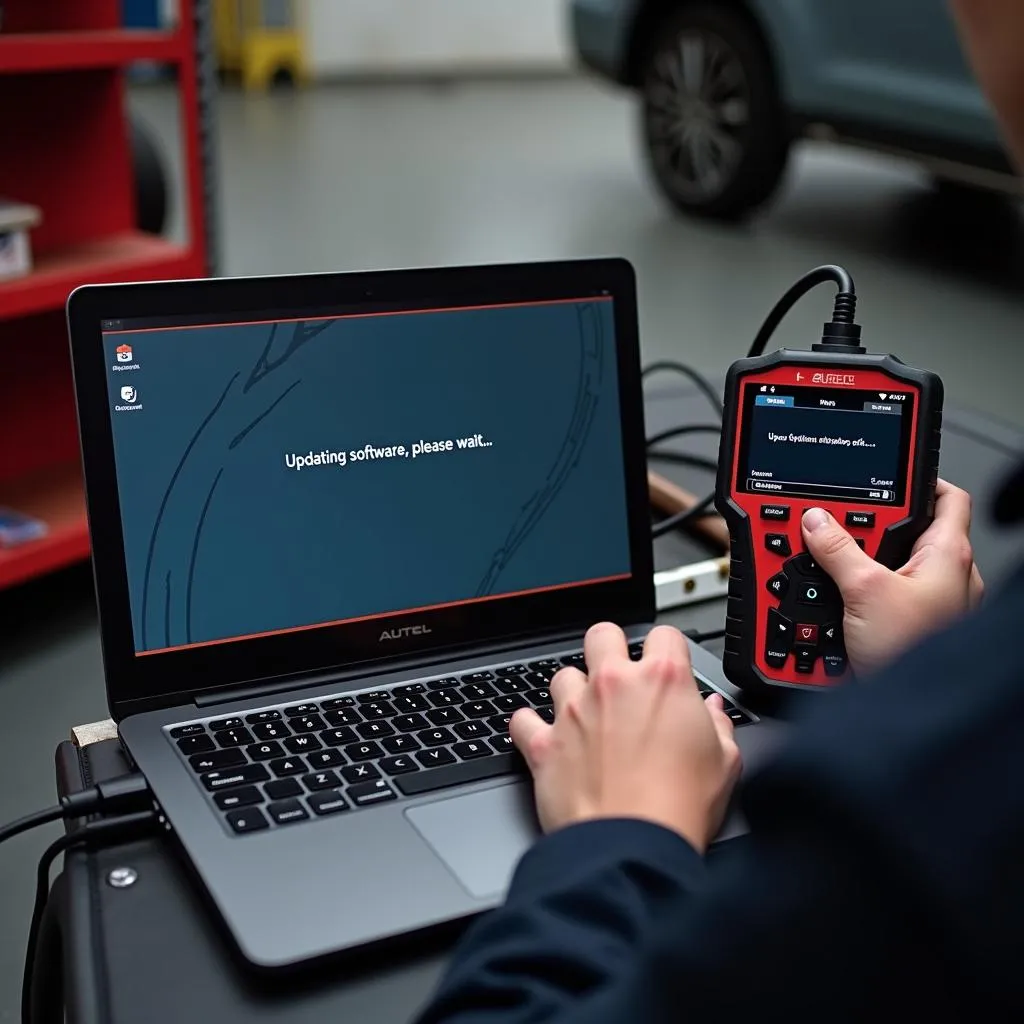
column 376, row 176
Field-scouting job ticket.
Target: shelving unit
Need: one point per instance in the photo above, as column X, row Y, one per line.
column 64, row 136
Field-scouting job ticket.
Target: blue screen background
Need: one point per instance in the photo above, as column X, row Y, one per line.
column 222, row 540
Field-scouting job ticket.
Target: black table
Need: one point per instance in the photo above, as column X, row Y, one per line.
column 152, row 952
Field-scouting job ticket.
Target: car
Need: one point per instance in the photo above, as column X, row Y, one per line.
column 726, row 87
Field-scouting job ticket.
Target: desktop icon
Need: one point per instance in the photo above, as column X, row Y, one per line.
column 124, row 353
column 128, row 393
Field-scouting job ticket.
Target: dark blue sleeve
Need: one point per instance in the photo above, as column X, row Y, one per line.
column 881, row 878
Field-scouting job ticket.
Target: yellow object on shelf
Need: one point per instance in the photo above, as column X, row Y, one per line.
column 260, row 41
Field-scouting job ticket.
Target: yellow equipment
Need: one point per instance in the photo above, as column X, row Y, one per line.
column 260, row 41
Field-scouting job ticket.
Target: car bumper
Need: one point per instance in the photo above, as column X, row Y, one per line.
column 601, row 31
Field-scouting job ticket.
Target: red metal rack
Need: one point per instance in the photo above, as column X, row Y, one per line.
column 65, row 139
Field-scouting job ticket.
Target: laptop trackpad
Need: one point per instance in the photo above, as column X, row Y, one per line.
column 481, row 836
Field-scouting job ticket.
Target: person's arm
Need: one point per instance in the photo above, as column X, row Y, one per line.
column 881, row 877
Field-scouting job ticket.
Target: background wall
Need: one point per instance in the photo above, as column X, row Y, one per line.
column 356, row 37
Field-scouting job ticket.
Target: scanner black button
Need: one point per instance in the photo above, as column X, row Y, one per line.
column 830, row 635
column 778, row 585
column 811, row 593
column 777, row 543
column 863, row 520
column 780, row 513
column 805, row 658
column 780, row 631
column 835, row 663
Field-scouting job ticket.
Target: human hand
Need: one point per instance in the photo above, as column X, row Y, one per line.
column 631, row 740
column 886, row 611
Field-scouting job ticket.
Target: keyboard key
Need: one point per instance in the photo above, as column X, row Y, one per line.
column 443, row 698
column 375, row 730
column 233, row 737
column 301, row 710
column 363, row 751
column 545, row 665
column 478, row 709
column 242, row 776
column 636, row 650
column 399, row 744
column 195, row 729
column 367, row 793
column 409, row 723
column 499, row 723
column 535, row 680
column 288, row 766
column 286, row 812
column 434, row 758
column 378, row 709
column 261, row 717
column 476, row 677
column 337, row 702
column 575, row 660
column 343, row 716
column 271, row 731
column 514, row 685
column 372, row 696
column 442, row 684
column 547, row 714
column 360, row 773
column 502, row 744
column 511, row 670
column 473, row 748
column 408, row 688
column 242, row 796
column 329, row 802
column 399, row 765
column 302, row 744
column 265, row 751
column 216, row 760
column 444, row 716
column 472, row 730
column 199, row 744
column 282, row 789
column 320, row 759
column 308, row 723
column 249, row 820
column 477, row 691
column 321, row 780
column 405, row 704
column 539, row 698
column 457, row 774
column 435, row 737
column 338, row 737
column 510, row 701
column 226, row 723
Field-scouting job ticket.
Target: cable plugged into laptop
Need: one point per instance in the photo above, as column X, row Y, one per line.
column 128, row 793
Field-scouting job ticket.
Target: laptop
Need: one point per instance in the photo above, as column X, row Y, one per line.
column 343, row 526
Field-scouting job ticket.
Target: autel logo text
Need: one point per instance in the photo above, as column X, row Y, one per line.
column 842, row 380
column 400, row 632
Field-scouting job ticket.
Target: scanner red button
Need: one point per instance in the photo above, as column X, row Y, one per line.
column 806, row 634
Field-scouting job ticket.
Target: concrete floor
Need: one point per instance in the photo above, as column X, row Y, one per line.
column 375, row 176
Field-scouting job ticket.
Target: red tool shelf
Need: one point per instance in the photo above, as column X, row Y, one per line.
column 70, row 51
column 65, row 140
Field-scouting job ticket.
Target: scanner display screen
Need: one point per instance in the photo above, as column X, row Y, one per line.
column 838, row 444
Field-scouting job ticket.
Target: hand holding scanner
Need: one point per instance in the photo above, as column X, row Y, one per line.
column 837, row 428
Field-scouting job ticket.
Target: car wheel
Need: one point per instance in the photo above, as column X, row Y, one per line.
column 714, row 129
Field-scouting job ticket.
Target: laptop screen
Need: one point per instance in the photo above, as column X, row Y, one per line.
column 278, row 475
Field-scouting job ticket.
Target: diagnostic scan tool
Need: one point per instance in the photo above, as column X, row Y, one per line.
column 838, row 428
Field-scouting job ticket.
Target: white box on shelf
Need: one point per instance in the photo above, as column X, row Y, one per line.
column 16, row 219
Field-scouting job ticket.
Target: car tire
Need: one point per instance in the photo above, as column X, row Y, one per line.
column 714, row 129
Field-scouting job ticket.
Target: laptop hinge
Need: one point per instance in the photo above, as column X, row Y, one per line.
column 282, row 684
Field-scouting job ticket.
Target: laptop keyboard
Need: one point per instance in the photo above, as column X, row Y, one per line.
column 297, row 762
